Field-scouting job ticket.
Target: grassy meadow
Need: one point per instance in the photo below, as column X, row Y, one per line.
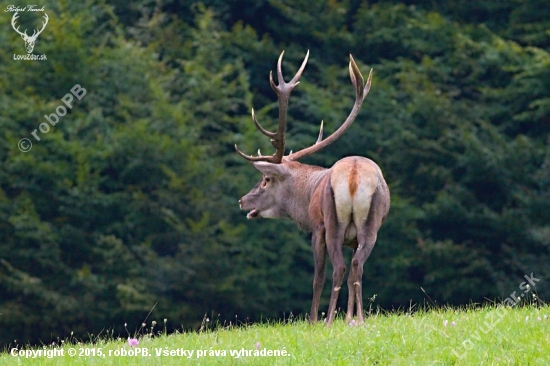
column 472, row 336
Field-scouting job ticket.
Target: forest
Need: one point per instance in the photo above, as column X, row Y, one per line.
column 129, row 202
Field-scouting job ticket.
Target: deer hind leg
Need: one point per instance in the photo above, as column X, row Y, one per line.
column 351, row 294
column 319, row 259
column 366, row 238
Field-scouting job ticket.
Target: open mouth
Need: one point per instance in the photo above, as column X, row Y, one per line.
column 253, row 214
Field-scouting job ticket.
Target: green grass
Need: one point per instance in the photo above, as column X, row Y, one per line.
column 485, row 336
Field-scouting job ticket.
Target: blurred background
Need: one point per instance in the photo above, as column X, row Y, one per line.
column 130, row 200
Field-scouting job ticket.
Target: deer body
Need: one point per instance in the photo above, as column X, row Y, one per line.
column 343, row 205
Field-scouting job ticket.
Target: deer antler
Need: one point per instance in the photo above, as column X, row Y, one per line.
column 361, row 92
column 283, row 93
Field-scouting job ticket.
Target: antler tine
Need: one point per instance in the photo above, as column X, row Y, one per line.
column 367, row 87
column 361, row 92
column 259, row 127
column 320, row 138
column 254, row 158
column 282, row 90
column 279, row 74
column 300, row 71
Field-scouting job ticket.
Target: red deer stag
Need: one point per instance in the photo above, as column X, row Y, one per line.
column 343, row 205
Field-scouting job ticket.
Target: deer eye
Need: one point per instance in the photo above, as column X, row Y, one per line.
column 265, row 181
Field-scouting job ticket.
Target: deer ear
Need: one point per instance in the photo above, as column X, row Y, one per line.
column 266, row 168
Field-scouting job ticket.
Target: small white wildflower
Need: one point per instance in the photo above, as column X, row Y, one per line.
column 445, row 322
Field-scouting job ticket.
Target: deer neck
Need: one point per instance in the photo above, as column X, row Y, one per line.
column 302, row 184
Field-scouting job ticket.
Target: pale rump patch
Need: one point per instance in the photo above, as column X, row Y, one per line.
column 362, row 200
column 353, row 182
column 342, row 197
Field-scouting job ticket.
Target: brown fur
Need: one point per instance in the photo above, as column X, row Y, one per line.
column 353, row 180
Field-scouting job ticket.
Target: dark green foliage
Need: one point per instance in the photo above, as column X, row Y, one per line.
column 131, row 199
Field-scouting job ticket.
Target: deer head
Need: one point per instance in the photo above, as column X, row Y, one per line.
column 29, row 40
column 264, row 200
column 269, row 198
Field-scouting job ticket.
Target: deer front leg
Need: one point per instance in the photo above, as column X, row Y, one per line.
column 319, row 255
column 334, row 247
column 334, row 237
